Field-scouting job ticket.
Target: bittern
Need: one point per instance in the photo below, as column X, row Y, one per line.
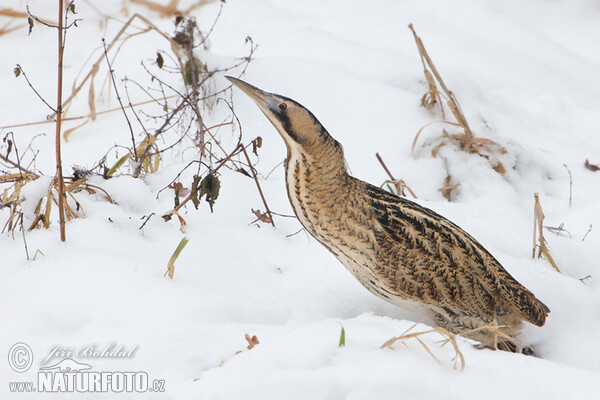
column 400, row 251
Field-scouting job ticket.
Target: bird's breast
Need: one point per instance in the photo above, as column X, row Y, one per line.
column 331, row 210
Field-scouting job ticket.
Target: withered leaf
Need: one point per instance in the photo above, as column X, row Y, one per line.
column 17, row 72
column 448, row 188
column 30, row 21
column 195, row 183
column 10, row 146
column 499, row 168
column 159, row 60
column 252, row 341
column 192, row 71
column 256, row 144
column 210, row 187
column 591, row 167
column 262, row 216
column 180, row 191
column 243, row 172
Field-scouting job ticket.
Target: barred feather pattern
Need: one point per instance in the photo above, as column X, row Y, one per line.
column 405, row 253
column 400, row 251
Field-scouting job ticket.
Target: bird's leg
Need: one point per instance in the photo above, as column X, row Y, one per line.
column 496, row 330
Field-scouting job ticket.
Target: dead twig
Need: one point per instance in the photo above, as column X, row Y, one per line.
column 62, row 33
column 448, row 187
column 23, row 233
column 449, row 338
column 570, row 185
column 585, row 278
column 170, row 10
column 465, row 141
column 399, row 184
column 20, row 71
column 588, row 231
column 146, row 221
column 262, row 196
column 558, row 230
column 112, row 75
column 539, row 242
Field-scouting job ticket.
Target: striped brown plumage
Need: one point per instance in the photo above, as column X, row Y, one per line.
column 400, row 251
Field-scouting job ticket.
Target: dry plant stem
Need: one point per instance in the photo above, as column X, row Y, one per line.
column 194, row 192
column 538, row 225
column 50, row 24
column 23, row 232
column 112, row 77
column 452, row 103
column 588, row 231
column 558, row 230
column 6, row 28
column 385, row 167
column 59, row 172
column 570, row 185
column 141, row 103
column 442, row 331
column 145, row 153
column 195, row 85
column 17, row 154
column 465, row 141
column 146, row 221
column 274, row 168
column 16, row 165
column 170, row 9
column 110, row 46
column 400, row 184
column 262, row 196
column 7, row 12
column 33, row 88
column 538, row 220
column 448, row 187
column 414, row 143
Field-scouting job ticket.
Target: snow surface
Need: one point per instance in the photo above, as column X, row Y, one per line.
column 526, row 75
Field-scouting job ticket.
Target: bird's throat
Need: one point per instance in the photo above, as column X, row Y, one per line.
column 315, row 189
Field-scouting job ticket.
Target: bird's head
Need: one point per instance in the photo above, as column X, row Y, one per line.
column 298, row 127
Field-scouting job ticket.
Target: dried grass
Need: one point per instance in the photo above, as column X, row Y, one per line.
column 145, row 154
column 509, row 343
column 171, row 265
column 458, row 358
column 43, row 210
column 539, row 242
column 93, row 71
column 10, row 25
column 15, row 16
column 398, row 184
column 11, row 198
column 170, row 10
column 448, row 187
column 434, row 96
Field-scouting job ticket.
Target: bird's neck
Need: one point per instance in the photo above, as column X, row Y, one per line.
column 316, row 185
column 315, row 172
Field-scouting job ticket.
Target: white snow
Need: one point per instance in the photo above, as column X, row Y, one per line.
column 526, row 75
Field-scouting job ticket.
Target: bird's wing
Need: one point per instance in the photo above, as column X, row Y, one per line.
column 436, row 262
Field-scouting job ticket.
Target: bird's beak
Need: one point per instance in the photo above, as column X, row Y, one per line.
column 268, row 103
column 265, row 100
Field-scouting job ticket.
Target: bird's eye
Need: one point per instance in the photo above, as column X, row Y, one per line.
column 283, row 106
